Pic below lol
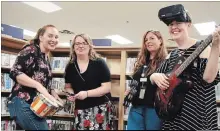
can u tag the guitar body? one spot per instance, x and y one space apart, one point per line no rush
168 103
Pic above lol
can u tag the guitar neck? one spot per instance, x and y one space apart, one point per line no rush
192 57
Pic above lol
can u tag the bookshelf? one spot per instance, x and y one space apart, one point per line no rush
116 61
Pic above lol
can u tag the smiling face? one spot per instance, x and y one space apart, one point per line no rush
178 30
152 42
49 39
81 46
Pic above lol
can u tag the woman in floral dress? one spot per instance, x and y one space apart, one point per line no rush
88 76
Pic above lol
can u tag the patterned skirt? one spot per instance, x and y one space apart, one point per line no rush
95 118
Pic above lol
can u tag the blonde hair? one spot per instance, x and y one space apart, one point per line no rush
144 54
93 55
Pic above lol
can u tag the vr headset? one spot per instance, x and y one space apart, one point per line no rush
173 13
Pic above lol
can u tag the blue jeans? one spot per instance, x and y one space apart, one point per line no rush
143 118
20 111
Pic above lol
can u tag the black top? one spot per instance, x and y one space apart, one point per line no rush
30 61
149 91
97 72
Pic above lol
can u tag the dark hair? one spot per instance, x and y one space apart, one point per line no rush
40 32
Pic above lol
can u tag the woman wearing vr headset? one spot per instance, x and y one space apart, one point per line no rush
199 108
142 115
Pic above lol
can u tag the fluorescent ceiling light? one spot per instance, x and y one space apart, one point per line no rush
47 7
26 32
119 39
29 33
205 28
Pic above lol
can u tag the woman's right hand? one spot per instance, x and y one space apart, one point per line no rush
161 80
40 88
127 92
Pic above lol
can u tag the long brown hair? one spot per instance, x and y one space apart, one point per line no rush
93 55
40 32
144 54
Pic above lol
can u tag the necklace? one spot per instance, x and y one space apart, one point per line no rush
83 67
78 71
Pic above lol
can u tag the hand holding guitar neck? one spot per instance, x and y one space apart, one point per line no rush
216 36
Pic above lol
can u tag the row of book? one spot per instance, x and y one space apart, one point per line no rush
4 108
58 64
58 83
130 65
6 82
8 125
7 60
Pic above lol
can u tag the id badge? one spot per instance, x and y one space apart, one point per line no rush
143 79
142 92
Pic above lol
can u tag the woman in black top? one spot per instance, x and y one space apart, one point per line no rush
31 73
88 76
142 115
199 108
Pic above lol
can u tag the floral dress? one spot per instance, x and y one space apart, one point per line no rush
32 62
95 118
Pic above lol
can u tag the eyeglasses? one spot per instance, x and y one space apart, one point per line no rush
83 43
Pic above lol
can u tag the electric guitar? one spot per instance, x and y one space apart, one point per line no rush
168 103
